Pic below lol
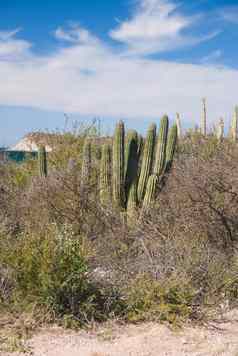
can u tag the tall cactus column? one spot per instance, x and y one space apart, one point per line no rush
147 161
161 146
150 194
118 162
42 161
131 170
171 145
105 174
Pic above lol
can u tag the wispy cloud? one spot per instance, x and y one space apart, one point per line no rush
156 26
212 57
88 77
12 48
229 14
6 35
75 34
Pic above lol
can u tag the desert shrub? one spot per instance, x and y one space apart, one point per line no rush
62 199
63 250
150 299
188 239
51 270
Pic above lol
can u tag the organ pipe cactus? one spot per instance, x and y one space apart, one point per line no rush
171 145
127 179
42 161
150 194
147 161
127 147
105 174
118 162
140 145
131 170
161 146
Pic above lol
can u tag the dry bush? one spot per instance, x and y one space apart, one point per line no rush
188 241
179 257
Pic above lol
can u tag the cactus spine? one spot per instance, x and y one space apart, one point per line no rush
42 161
161 146
147 161
150 194
105 174
86 163
118 162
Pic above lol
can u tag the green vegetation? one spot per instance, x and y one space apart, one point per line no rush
124 227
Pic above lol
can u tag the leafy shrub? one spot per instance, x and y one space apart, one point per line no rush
148 299
51 270
60 249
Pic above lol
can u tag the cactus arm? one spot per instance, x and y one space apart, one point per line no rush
118 163
147 161
131 171
161 146
150 194
171 145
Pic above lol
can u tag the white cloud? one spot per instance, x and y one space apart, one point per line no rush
89 78
157 26
75 34
12 48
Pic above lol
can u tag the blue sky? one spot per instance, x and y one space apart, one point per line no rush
131 59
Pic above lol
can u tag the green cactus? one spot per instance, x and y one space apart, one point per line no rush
120 181
127 147
86 162
42 161
160 156
151 190
140 146
118 163
131 159
131 170
98 152
147 161
105 174
171 145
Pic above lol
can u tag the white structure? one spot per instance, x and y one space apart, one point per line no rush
27 144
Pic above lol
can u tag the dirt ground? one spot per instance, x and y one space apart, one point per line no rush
216 339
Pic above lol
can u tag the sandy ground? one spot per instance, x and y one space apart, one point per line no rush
216 339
